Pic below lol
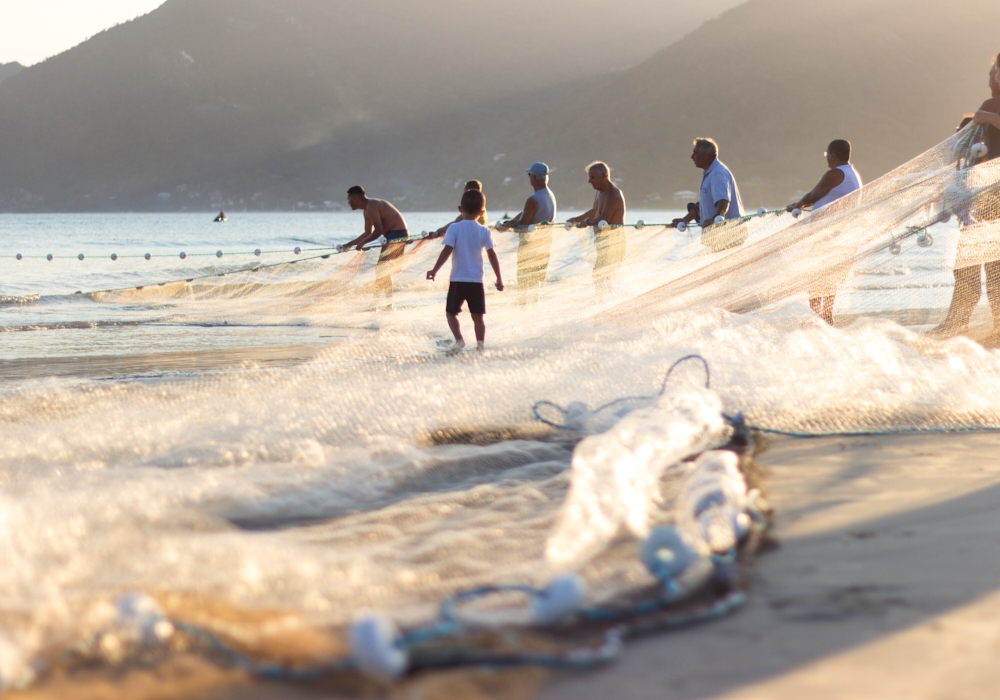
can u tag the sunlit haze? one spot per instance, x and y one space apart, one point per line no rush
33 30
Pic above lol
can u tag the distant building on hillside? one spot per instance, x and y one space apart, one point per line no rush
685 196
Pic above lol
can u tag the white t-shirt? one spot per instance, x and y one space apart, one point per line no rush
468 238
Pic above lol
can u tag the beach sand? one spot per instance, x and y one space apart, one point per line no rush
884 582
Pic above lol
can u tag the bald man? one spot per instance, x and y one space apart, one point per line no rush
609 206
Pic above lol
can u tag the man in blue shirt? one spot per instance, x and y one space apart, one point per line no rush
719 195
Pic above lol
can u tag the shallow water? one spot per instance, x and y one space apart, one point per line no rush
266 440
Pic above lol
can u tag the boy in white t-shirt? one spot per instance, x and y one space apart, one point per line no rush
467 239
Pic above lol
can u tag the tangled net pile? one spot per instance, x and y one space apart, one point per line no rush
457 498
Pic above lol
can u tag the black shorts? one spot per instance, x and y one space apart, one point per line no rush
472 292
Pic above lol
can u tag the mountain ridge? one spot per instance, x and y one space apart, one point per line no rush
199 92
773 80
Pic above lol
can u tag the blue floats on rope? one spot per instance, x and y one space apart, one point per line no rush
114 256
18 256
667 553
147 256
49 257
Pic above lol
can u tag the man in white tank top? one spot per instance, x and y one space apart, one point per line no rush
840 180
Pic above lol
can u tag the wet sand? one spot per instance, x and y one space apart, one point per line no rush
884 582
156 364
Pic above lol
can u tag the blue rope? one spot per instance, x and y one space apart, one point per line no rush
648 399
739 421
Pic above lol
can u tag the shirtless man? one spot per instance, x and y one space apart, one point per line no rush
609 206
534 247
381 219
838 181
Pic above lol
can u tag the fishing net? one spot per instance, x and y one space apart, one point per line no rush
565 483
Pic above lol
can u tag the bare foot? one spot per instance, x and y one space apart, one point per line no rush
458 347
481 346
946 329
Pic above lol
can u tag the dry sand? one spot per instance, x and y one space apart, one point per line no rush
885 584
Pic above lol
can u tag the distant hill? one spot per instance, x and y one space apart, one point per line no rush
198 99
9 70
774 81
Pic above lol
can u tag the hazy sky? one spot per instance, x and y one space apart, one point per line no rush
33 30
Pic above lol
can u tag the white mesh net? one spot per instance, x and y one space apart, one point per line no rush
377 473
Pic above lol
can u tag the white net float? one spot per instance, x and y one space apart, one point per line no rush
640 224
955 199
681 226
761 211
602 225
373 647
796 212
720 219
561 598
978 150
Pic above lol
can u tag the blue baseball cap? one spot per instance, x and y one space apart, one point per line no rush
539 169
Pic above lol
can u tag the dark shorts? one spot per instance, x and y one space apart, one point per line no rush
390 259
472 292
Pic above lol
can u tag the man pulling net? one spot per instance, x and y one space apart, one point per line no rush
382 220
609 209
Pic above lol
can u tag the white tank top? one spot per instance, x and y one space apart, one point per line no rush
852 182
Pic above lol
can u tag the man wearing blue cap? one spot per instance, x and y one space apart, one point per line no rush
534 247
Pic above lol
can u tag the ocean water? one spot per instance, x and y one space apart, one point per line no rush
250 433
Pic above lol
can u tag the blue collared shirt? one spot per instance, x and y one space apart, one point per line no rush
717 184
